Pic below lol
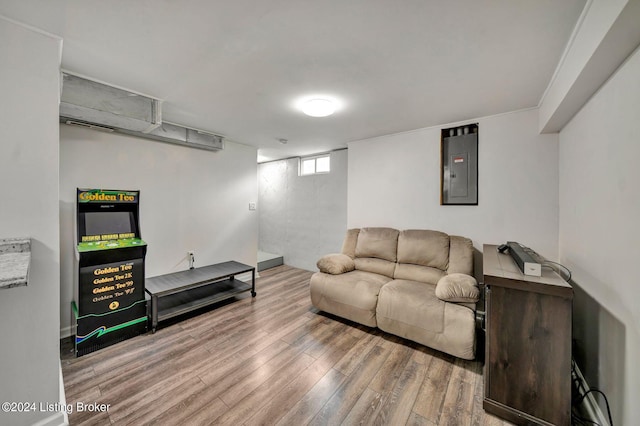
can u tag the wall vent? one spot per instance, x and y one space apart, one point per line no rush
181 135
205 140
88 125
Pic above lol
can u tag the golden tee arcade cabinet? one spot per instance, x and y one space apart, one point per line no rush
110 303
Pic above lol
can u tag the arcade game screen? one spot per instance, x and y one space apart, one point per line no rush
108 222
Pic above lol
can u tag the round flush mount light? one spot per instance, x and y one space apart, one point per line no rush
318 107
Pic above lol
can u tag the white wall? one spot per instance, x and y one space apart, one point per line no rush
395 181
600 231
584 67
29 316
190 199
302 217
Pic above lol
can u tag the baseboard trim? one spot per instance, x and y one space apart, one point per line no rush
246 277
59 418
56 419
63 396
67 331
71 329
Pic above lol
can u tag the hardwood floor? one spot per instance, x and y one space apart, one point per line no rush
273 359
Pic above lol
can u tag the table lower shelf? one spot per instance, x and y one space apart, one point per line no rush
188 300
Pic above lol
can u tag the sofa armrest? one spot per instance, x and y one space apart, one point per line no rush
335 264
459 288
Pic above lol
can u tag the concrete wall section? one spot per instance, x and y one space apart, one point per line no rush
395 181
302 217
599 234
190 199
29 316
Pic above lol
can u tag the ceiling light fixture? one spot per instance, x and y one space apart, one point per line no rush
318 107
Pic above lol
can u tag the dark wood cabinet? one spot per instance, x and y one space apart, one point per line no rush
527 368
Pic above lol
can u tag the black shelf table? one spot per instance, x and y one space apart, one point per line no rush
184 291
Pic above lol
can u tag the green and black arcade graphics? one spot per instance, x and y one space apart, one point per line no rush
110 303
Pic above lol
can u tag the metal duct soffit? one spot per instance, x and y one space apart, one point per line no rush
102 107
176 134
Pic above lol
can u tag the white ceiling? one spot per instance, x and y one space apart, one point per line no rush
237 67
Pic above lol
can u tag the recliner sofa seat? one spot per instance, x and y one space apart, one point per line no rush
416 284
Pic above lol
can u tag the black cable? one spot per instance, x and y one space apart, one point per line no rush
606 401
561 265
581 390
544 262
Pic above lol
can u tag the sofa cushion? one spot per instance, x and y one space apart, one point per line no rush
460 255
424 247
411 310
458 288
349 243
425 274
335 264
377 266
380 243
352 295
411 302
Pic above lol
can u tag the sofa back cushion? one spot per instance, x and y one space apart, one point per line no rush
380 243
424 248
416 255
460 255
350 241
425 274
375 250
377 266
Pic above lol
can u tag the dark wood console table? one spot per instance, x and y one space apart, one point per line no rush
181 292
527 369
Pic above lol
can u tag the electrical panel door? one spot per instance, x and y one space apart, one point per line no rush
460 166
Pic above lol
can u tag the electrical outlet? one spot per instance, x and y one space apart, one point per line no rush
252 206
191 258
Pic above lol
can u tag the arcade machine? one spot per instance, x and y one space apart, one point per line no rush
110 303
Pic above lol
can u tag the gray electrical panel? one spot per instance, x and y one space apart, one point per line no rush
459 171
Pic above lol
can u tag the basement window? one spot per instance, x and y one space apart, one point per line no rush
315 165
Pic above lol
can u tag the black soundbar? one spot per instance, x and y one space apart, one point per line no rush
527 264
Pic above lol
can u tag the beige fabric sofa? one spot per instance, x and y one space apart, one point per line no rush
416 284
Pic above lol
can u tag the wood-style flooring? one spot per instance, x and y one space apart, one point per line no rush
273 359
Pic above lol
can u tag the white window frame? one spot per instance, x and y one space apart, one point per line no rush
315 158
